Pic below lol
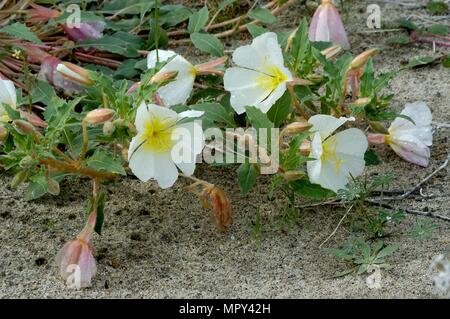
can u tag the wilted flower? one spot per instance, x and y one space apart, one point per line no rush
7 96
85 30
75 259
49 73
409 140
339 156
179 90
260 77
74 73
327 26
162 144
215 198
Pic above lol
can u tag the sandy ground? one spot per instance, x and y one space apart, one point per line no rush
160 243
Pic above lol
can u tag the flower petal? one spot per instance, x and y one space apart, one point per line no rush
140 161
411 149
190 114
7 94
327 124
265 105
166 173
244 88
143 116
163 56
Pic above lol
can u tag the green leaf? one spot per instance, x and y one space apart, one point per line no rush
43 92
371 158
446 62
262 14
127 69
399 40
305 188
215 112
437 7
404 23
37 188
279 112
207 43
224 4
171 15
420 61
13 114
21 31
101 160
247 174
198 20
114 44
257 118
255 30
386 251
439 29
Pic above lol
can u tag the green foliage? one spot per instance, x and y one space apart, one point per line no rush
263 15
207 43
198 20
362 256
437 7
247 175
423 229
21 31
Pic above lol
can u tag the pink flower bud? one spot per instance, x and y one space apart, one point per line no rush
85 31
99 116
74 73
49 72
326 25
40 14
376 139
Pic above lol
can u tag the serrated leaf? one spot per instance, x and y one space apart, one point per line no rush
21 31
386 251
262 14
198 20
207 43
43 92
247 174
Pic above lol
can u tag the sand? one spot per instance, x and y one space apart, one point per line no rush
161 244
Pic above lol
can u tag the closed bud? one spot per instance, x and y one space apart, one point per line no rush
293 175
3 134
377 139
108 128
23 127
53 186
378 127
305 148
19 178
99 116
296 127
362 59
74 73
162 77
362 101
331 51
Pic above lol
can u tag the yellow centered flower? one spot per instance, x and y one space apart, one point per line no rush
7 96
260 77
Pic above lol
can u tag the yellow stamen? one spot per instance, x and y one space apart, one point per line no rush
157 136
329 152
272 79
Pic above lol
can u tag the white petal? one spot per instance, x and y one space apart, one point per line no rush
166 173
163 55
265 105
192 136
316 146
244 88
333 178
420 113
190 114
263 52
327 124
351 142
141 162
162 113
7 94
143 116
411 149
314 169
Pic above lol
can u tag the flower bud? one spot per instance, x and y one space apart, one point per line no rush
40 14
376 139
362 101
75 73
296 127
99 116
293 175
377 127
23 127
108 128
162 77
362 59
331 51
3 134
26 162
305 148
49 73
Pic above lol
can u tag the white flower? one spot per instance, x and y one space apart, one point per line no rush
163 143
409 140
338 157
179 90
260 78
7 96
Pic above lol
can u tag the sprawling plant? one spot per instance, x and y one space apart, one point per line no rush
282 105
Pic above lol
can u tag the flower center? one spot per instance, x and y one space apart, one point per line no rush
158 135
272 79
329 152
